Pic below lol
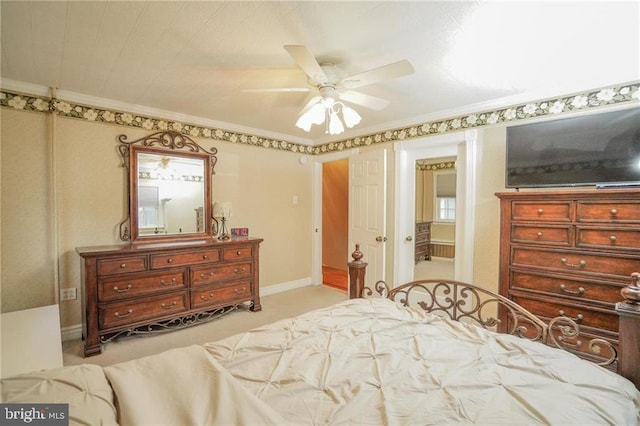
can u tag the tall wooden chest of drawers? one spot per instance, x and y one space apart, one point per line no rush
423 241
133 289
569 253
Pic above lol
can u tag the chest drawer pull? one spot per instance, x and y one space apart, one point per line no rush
238 253
614 212
122 290
119 315
165 306
239 290
577 319
205 257
163 282
123 265
539 234
612 239
170 260
580 292
580 264
203 275
540 211
239 270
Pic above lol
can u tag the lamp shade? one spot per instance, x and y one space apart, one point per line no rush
350 116
222 209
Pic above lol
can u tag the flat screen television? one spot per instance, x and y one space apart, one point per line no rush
592 150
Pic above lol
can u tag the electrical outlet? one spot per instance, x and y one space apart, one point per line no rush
68 294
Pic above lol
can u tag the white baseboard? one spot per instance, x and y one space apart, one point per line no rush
73 332
290 285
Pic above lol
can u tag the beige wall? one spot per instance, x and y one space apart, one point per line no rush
91 200
335 213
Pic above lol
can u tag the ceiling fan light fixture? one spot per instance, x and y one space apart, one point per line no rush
335 124
350 116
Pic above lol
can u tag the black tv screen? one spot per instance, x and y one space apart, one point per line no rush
598 149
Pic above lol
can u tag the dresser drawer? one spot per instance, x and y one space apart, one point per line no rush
541 211
237 253
617 211
213 274
159 261
423 227
124 313
583 316
608 238
135 285
616 266
589 291
221 296
121 265
535 234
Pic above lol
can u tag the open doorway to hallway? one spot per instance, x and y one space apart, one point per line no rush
335 223
435 213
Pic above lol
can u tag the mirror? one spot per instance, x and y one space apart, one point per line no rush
169 189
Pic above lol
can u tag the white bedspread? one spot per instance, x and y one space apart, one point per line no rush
374 362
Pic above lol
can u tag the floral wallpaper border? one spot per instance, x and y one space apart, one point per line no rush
620 94
443 165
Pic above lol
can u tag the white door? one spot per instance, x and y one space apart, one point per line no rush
367 210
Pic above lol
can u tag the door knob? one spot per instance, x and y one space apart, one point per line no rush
381 239
409 238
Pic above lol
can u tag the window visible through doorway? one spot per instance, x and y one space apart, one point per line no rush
446 211
445 196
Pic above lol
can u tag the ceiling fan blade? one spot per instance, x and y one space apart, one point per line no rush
368 101
385 72
308 63
278 89
314 100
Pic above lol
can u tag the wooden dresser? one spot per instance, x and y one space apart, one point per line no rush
423 239
570 253
154 287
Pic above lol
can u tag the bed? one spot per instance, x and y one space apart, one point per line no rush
370 360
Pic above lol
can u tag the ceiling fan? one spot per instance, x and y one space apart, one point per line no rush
334 86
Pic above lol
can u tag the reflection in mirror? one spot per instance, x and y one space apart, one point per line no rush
170 194
169 179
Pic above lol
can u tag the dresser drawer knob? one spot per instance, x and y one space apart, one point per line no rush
240 290
119 315
577 319
205 257
165 306
123 265
580 264
209 275
612 238
122 290
540 211
614 212
580 292
238 253
170 260
539 234
240 270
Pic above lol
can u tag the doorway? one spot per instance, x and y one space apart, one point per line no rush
435 205
335 223
463 146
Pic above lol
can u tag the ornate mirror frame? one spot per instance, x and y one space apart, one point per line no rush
170 143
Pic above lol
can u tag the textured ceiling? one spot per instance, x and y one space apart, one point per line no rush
195 58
